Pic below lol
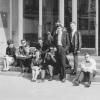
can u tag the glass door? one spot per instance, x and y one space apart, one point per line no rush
87 22
49 15
31 20
68 14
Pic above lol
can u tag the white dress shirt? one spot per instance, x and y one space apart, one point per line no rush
59 32
89 66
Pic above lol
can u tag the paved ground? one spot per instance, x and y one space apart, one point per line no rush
21 88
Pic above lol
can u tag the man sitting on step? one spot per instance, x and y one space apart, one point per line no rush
88 71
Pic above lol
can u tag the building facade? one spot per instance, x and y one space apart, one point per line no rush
31 19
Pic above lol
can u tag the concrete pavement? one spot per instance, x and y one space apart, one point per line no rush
21 88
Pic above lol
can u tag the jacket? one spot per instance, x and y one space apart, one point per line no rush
75 42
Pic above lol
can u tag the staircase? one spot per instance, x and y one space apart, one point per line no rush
16 71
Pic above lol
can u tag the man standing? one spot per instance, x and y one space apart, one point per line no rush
61 41
75 44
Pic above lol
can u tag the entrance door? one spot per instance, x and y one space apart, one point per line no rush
86 21
31 20
87 24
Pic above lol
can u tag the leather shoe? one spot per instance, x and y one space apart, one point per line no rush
87 84
50 79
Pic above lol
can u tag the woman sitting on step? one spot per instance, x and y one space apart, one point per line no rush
10 56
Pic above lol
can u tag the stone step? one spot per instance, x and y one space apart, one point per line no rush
98 72
97 58
28 76
10 73
97 65
96 79
13 68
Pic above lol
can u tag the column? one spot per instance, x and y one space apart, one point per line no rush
74 11
3 39
40 19
61 11
20 20
97 32
10 19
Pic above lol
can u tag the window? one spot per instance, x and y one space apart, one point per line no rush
86 22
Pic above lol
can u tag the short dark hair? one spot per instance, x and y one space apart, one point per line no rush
10 42
40 38
73 22
58 23
86 54
23 40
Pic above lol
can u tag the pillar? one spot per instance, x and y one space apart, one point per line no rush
10 19
40 20
3 39
61 11
74 11
97 32
20 20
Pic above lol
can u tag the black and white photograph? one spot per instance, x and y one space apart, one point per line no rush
49 50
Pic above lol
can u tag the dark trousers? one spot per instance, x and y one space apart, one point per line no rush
61 57
75 61
75 55
85 76
88 76
25 64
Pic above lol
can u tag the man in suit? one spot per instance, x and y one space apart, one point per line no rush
75 44
61 41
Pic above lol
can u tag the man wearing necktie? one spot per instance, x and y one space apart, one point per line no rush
61 41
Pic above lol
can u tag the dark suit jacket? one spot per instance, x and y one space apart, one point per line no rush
65 40
76 42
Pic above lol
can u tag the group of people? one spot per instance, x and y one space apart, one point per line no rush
49 56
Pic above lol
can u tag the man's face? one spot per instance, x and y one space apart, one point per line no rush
40 42
23 43
59 29
87 57
58 24
73 26
48 33
52 51
11 45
